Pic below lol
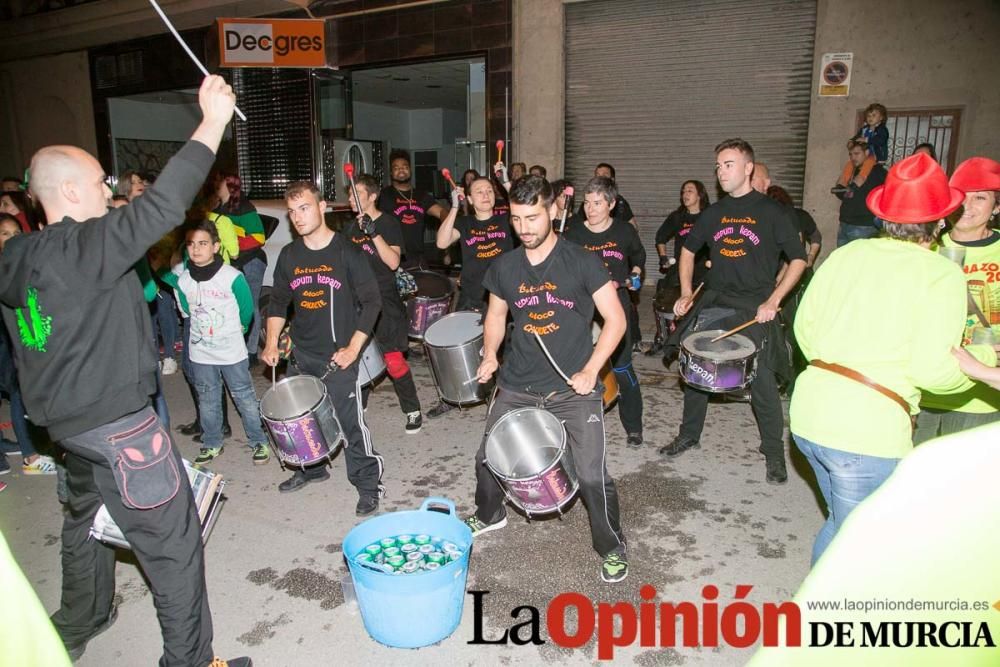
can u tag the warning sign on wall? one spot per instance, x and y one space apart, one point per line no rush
835 74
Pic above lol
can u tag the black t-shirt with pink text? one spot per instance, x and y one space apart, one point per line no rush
554 299
746 237
410 208
618 246
388 227
482 243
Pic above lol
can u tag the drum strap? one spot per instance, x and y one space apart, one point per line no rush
868 382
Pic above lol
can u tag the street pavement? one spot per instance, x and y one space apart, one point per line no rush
275 567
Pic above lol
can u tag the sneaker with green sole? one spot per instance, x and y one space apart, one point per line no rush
478 527
614 568
261 454
206 455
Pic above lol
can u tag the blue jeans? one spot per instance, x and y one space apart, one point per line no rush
848 233
253 271
20 422
208 382
845 479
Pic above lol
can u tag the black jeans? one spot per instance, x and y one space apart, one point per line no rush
363 463
630 400
390 334
166 541
764 396
584 419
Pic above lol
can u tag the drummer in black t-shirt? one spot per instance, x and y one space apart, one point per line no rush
379 236
410 206
746 232
483 237
618 246
550 287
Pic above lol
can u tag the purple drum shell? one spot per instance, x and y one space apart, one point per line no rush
543 493
431 303
716 376
299 441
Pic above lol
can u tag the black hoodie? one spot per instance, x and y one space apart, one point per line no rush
75 309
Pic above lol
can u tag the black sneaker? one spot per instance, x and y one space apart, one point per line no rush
413 422
634 440
194 428
227 431
441 408
76 651
614 568
776 472
300 479
679 445
366 505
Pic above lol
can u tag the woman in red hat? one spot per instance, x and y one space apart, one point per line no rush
878 323
979 179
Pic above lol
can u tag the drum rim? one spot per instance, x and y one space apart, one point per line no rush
443 277
260 407
716 332
564 445
460 345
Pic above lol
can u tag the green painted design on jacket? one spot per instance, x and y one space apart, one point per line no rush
35 336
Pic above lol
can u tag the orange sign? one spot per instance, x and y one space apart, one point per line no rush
272 43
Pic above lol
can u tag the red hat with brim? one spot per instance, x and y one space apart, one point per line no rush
977 174
915 191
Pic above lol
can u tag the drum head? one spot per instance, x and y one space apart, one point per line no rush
455 329
431 285
731 348
524 443
292 397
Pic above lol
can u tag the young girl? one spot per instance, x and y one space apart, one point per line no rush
217 299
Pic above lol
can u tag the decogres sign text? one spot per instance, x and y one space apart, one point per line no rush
272 43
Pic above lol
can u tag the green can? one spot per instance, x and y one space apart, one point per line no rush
396 561
373 549
414 557
403 539
363 557
422 539
408 548
387 542
437 557
454 555
389 552
430 567
411 568
425 548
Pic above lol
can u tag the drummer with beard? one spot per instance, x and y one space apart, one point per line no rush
335 300
483 238
551 287
746 233
410 206
616 243
378 236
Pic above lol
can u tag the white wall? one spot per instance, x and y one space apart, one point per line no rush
414 129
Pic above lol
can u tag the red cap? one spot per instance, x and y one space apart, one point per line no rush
915 191
977 174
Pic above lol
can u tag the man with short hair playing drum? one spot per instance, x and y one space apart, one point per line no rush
336 301
378 234
747 232
483 237
551 288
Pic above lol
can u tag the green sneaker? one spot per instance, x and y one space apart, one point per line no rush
207 455
261 454
614 568
479 527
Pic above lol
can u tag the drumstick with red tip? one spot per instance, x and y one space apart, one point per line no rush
568 192
447 176
500 150
349 172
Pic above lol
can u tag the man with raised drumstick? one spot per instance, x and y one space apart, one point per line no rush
747 232
336 300
551 287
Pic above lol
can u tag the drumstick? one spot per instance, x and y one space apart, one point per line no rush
274 376
737 329
184 45
549 357
568 191
447 174
499 150
694 295
349 171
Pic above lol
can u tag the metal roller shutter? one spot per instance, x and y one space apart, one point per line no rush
653 85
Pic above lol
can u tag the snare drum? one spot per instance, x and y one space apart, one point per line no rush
301 419
526 451
726 365
454 347
431 302
206 487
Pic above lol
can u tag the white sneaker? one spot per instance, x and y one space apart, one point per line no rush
43 465
168 366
